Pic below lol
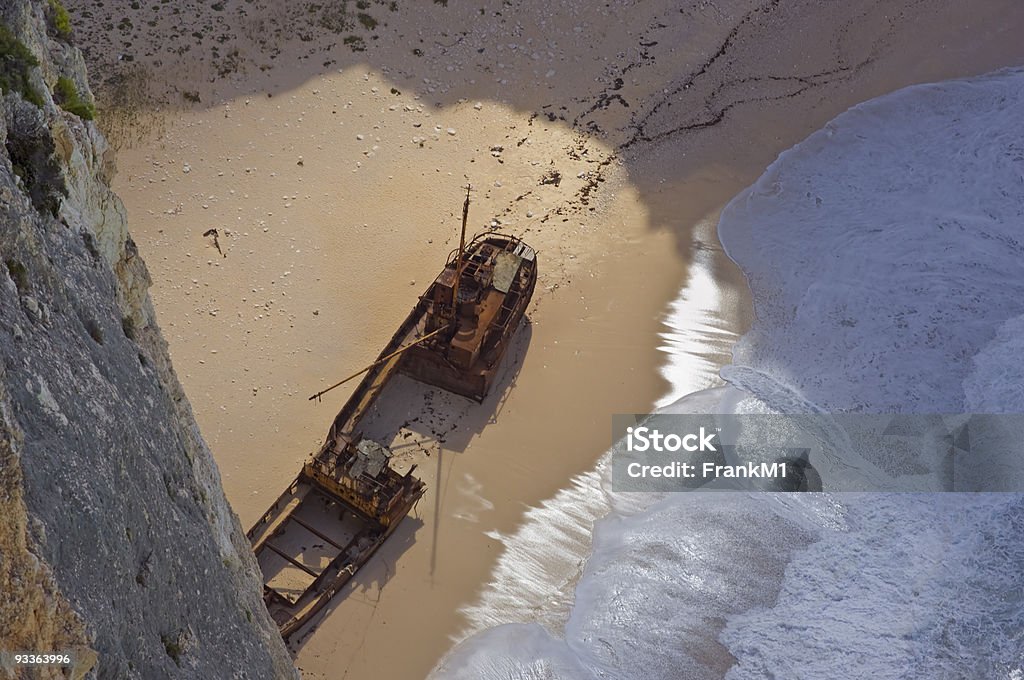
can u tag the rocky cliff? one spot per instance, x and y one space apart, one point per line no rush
116 540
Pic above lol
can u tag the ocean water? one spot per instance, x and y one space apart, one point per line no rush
885 255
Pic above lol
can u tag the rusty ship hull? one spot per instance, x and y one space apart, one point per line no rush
347 499
498 302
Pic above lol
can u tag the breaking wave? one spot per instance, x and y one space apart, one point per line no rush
885 256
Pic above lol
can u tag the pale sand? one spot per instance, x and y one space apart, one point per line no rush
324 259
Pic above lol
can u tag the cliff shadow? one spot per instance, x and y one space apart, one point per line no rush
661 91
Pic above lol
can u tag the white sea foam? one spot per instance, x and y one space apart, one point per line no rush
695 330
886 250
915 587
886 260
996 377
535 577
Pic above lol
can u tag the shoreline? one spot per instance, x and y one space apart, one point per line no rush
298 300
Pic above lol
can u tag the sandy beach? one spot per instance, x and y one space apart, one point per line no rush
328 146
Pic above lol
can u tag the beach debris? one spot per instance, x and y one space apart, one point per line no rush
553 177
216 240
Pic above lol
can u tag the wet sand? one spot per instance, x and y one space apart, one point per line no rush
334 179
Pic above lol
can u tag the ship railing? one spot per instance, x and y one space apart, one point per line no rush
512 242
508 306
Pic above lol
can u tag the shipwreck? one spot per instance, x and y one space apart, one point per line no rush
347 499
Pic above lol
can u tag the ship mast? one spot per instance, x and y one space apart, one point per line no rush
462 248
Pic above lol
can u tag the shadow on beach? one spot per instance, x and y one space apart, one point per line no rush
415 419
369 582
642 86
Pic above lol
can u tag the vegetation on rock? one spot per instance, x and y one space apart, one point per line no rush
59 19
69 99
16 64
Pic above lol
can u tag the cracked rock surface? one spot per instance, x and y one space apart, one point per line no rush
116 540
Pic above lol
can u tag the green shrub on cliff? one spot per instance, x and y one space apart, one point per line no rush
69 99
60 19
16 63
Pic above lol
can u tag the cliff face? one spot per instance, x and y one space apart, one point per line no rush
116 540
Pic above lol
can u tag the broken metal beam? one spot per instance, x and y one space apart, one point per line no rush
291 559
315 532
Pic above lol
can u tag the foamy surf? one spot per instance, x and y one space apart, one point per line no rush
695 330
886 262
536 575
